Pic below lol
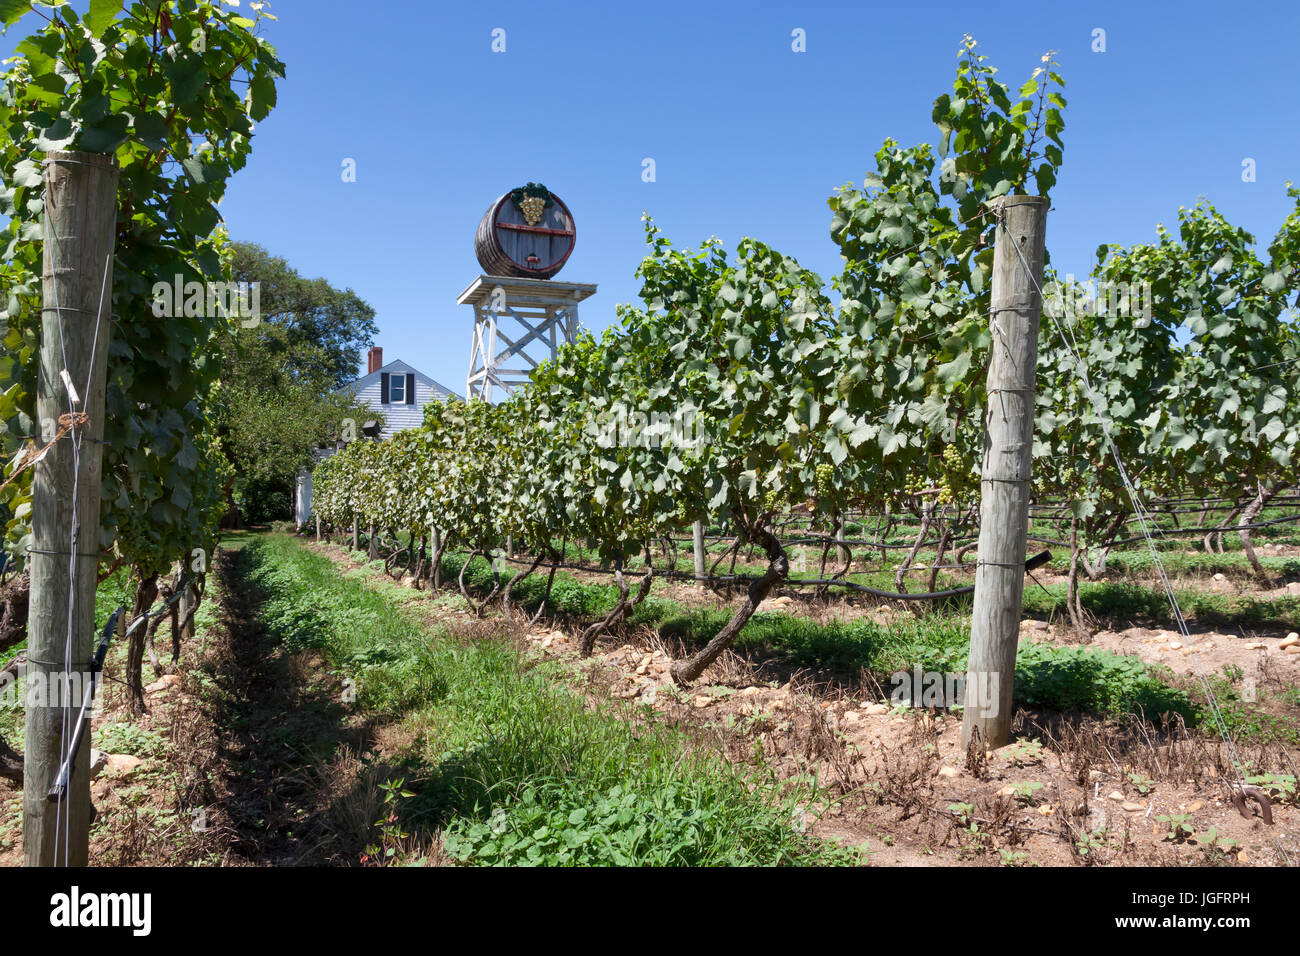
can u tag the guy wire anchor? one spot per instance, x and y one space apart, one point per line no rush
1246 791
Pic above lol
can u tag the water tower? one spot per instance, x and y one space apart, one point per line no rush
522 241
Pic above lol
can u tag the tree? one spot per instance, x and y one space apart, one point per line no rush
278 399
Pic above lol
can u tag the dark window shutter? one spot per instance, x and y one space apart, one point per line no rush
410 389
383 388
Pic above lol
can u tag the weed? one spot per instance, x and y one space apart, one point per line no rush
1180 826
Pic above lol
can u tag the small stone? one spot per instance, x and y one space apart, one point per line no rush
702 701
1007 791
1294 587
877 710
123 765
1291 640
749 692
1256 646
1132 807
1293 649
948 771
1194 806
1220 576
1115 795
1046 810
1175 645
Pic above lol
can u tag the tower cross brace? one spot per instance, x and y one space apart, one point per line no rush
514 317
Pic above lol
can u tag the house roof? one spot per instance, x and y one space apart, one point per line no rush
398 366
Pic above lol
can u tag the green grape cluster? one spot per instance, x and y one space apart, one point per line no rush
950 483
825 474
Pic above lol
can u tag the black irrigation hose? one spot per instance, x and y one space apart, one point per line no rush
1037 539
60 786
865 542
1169 532
1204 531
1037 561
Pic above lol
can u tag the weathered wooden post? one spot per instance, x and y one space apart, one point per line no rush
356 541
435 546
76 289
1015 303
697 532
181 573
372 551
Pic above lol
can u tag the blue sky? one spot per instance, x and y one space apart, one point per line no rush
748 137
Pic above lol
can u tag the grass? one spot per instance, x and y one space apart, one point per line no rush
511 762
1065 679
1135 602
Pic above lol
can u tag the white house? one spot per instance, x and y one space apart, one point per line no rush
396 391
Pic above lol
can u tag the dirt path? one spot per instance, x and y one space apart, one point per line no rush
287 743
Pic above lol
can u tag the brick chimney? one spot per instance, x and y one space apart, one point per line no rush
375 360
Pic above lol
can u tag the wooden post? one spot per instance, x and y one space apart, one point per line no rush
184 604
77 280
1005 473
356 540
318 529
839 537
435 545
371 551
697 531
186 600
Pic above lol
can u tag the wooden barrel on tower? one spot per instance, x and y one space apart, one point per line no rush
528 233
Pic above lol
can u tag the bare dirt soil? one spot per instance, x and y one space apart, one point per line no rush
247 756
1067 791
